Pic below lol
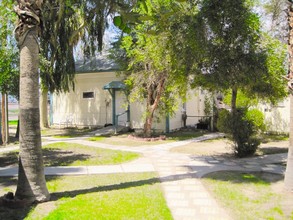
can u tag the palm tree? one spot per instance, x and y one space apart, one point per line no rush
31 184
289 167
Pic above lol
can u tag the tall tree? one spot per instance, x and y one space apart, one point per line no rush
67 23
150 75
232 53
60 33
224 49
31 181
289 166
31 184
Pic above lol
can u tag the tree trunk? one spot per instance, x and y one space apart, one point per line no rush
148 124
5 133
17 130
233 100
31 183
44 109
289 168
3 128
153 99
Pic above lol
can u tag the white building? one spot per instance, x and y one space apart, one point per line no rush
99 97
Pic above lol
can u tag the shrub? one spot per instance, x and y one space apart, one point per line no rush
257 118
241 130
224 121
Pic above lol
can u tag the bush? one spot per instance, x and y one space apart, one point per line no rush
241 130
257 118
224 121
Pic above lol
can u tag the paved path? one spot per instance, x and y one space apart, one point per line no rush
180 174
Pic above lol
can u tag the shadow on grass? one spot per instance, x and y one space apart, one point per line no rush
58 157
184 135
71 194
22 213
8 182
272 150
67 132
240 177
9 159
52 157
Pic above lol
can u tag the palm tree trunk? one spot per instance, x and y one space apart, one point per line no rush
31 179
44 109
3 119
289 168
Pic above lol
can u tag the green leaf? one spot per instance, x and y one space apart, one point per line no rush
117 21
145 6
126 30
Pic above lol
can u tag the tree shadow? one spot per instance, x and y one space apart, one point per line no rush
59 157
8 182
124 185
240 177
272 150
51 156
9 158
22 213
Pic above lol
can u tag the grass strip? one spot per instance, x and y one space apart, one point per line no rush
250 195
113 196
70 154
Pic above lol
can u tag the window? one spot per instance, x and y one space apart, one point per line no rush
88 95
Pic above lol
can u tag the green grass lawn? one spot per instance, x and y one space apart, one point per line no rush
13 122
70 154
251 195
113 196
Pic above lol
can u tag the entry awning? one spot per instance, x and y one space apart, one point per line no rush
116 85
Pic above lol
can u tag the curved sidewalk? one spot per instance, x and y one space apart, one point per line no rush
180 174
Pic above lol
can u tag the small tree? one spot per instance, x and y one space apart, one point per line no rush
151 75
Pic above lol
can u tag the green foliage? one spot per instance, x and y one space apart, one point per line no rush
151 75
226 49
257 118
243 100
57 42
241 129
208 105
223 122
9 67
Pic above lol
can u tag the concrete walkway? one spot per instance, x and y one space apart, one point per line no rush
180 174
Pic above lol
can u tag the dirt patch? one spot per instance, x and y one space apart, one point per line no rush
141 138
206 148
223 147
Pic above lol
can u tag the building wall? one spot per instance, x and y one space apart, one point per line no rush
277 117
195 106
85 111
72 109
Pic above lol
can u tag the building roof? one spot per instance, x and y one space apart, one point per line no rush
100 63
115 85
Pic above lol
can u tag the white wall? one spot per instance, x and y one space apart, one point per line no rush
85 111
277 117
97 111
